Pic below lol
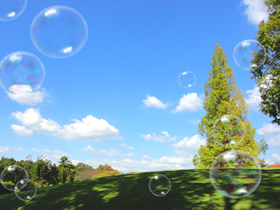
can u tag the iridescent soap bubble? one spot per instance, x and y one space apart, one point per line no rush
25 189
11 175
11 9
187 79
59 31
235 174
245 51
159 185
229 130
21 72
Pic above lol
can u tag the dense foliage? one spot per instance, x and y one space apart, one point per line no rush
267 75
222 97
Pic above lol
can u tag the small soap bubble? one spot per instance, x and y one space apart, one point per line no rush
21 72
59 31
229 130
159 185
11 9
235 174
244 53
25 189
187 79
11 175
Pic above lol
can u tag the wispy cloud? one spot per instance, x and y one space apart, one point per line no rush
90 128
154 137
4 149
50 153
110 153
193 121
126 146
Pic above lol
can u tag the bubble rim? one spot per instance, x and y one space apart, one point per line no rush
60 7
251 157
167 190
180 75
29 180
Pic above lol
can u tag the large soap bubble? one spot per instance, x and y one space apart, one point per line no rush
25 189
235 174
21 72
11 9
159 185
245 51
187 79
11 175
59 31
229 130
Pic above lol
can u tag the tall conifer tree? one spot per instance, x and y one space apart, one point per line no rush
222 97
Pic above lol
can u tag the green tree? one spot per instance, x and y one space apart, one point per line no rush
222 97
267 75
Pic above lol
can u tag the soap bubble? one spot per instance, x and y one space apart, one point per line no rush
25 189
21 72
159 185
235 174
229 130
59 31
187 79
245 51
11 9
11 175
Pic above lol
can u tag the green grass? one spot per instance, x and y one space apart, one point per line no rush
190 189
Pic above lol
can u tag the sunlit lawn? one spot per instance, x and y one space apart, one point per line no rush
190 189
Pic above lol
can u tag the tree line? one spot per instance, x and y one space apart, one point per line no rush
45 174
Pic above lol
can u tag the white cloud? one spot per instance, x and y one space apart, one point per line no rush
146 157
88 148
50 153
256 11
268 129
110 153
29 98
126 146
20 149
190 102
193 121
254 98
4 149
271 161
165 138
188 145
21 130
129 154
152 101
90 128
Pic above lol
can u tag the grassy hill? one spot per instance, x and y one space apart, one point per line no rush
190 189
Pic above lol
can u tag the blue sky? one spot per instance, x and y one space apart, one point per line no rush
118 101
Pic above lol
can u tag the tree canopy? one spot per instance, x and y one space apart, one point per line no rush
267 75
222 97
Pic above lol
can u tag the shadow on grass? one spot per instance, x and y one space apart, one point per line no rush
190 189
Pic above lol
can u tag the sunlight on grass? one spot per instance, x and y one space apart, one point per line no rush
108 191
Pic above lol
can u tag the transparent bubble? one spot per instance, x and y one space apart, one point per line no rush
235 174
21 72
11 9
25 189
187 79
159 185
11 175
59 31
245 51
229 130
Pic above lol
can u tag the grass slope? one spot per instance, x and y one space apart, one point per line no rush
190 189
